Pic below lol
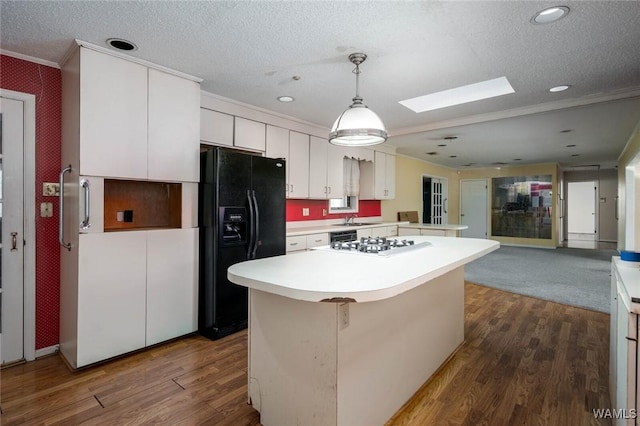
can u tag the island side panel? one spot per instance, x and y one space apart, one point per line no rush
292 360
393 346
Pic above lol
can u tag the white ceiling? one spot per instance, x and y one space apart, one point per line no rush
250 51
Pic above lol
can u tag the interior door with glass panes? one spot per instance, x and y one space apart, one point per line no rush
11 229
435 202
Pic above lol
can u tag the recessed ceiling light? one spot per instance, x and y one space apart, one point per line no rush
460 95
550 14
450 138
517 159
566 131
570 146
286 99
560 88
575 155
121 44
431 153
442 144
452 156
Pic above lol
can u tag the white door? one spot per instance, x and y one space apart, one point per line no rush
473 207
11 227
581 210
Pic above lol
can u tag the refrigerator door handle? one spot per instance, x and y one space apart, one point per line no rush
251 225
256 225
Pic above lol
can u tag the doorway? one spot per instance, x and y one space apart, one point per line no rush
582 221
17 220
473 207
435 201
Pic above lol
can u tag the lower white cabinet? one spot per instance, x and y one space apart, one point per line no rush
172 284
296 243
111 298
317 240
122 291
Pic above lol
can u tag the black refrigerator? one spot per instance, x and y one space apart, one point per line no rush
241 217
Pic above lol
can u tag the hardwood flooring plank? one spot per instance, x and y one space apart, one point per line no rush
525 361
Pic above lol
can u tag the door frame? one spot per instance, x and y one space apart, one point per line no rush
29 171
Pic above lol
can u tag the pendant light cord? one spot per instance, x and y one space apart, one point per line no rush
356 71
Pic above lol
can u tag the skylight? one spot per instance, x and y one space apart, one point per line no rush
460 95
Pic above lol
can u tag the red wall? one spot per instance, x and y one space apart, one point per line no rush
366 208
46 84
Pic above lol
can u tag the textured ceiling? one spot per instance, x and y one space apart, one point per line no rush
250 51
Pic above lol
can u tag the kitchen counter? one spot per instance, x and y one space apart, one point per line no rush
320 229
316 357
629 273
320 275
447 230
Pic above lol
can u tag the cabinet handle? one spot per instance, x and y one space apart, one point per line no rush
329 189
14 241
61 215
85 224
293 244
291 188
317 241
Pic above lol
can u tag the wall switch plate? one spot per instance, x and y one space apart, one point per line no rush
324 212
120 216
305 211
50 189
46 209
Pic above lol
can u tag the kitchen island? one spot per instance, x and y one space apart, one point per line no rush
344 338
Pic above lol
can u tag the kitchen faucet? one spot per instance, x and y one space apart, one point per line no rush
350 217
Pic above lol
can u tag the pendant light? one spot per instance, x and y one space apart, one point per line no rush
358 125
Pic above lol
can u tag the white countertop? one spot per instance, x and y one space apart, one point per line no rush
630 275
320 229
448 227
322 275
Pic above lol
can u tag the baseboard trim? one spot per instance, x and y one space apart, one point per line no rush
47 351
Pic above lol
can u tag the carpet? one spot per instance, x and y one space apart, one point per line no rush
576 277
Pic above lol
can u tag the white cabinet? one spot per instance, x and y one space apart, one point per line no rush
298 165
174 128
216 128
172 284
326 169
132 289
296 243
385 176
250 134
317 167
392 231
294 148
105 103
125 120
317 240
107 305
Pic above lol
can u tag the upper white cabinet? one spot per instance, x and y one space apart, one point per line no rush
326 169
125 120
106 99
174 128
378 179
298 165
216 128
294 148
250 134
318 167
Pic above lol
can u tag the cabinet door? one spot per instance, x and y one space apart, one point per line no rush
278 147
390 176
380 175
174 128
317 240
335 171
296 243
317 167
216 128
172 284
250 134
111 294
113 116
298 165
367 233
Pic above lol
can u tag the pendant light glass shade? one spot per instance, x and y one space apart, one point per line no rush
358 125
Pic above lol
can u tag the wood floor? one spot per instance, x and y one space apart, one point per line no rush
524 362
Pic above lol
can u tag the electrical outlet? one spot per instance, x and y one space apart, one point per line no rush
46 209
50 189
343 315
324 212
305 211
